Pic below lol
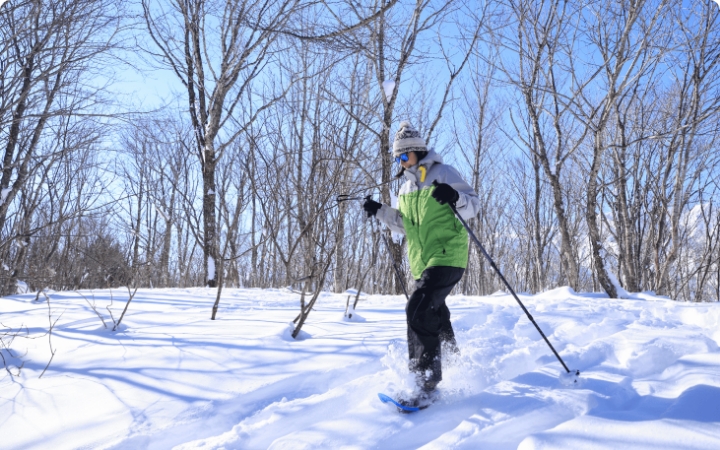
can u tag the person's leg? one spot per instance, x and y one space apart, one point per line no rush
428 321
447 335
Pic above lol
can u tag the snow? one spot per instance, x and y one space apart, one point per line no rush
350 313
388 88
161 212
211 268
22 287
173 378
619 290
5 192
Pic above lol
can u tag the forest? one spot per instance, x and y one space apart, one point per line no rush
181 143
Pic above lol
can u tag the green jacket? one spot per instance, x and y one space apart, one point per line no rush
435 237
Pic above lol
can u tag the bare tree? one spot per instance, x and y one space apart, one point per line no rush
476 127
536 38
47 46
620 32
216 49
48 50
696 84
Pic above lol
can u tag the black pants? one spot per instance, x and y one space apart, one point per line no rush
429 327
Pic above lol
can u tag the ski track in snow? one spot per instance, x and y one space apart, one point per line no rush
172 378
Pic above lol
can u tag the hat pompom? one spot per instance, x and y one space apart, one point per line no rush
405 124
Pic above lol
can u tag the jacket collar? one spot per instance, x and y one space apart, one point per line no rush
428 161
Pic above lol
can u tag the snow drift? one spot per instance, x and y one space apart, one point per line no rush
172 378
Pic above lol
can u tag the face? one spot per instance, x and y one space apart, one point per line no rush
412 160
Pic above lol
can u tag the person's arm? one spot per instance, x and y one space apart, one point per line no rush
392 218
387 215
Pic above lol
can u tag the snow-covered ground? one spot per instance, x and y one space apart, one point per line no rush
172 378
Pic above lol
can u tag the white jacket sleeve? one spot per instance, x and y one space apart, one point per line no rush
392 218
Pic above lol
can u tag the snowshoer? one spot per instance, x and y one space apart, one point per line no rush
437 246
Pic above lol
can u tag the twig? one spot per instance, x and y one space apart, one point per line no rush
92 305
131 293
52 325
108 307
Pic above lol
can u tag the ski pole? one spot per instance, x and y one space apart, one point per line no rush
492 264
347 197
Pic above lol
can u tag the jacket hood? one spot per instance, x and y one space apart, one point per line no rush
428 161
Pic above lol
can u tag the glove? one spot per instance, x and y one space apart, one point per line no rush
444 193
371 206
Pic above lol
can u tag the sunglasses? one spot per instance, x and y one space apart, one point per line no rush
403 157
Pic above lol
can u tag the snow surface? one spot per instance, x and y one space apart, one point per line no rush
172 378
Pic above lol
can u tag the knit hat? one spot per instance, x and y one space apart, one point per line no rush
407 139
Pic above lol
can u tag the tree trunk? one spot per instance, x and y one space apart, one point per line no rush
210 244
593 229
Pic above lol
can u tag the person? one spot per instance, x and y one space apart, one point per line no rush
437 244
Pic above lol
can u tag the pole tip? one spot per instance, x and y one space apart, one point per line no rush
570 378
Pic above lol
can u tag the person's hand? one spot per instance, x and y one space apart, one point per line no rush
371 206
444 193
